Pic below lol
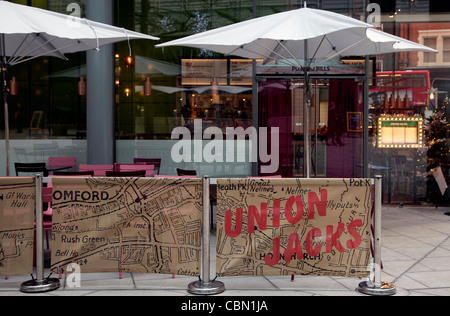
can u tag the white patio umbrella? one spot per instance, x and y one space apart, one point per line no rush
302 38
28 32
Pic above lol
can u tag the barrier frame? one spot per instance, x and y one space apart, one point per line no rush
40 284
205 286
374 286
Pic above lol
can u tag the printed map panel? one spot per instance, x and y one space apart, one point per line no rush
17 196
142 225
294 226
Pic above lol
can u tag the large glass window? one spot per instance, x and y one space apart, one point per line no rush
47 103
172 87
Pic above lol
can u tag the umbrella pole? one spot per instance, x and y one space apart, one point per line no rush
6 113
307 107
307 132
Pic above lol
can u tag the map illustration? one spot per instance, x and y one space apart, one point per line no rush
293 227
17 196
142 225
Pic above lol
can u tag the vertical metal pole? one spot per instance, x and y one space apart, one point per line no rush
39 230
316 128
4 78
377 287
40 284
377 234
204 286
206 238
366 121
306 118
255 97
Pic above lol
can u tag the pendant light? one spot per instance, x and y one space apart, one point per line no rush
148 87
13 86
82 86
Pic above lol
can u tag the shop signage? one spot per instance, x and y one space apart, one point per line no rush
233 72
293 226
17 196
336 66
400 132
146 225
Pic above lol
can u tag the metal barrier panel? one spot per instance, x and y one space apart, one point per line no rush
142 225
293 227
17 196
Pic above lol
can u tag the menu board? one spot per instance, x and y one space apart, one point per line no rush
400 132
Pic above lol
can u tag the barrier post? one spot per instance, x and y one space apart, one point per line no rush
375 286
40 284
205 286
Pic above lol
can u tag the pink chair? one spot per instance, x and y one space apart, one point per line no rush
61 162
99 170
124 167
47 197
149 161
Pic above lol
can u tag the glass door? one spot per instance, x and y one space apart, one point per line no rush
335 122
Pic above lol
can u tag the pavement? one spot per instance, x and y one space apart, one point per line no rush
415 257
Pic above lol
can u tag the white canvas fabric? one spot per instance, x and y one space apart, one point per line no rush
31 32
28 32
284 36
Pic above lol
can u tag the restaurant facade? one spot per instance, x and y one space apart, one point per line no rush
384 114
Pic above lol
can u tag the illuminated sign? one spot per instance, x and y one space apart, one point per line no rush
232 72
400 132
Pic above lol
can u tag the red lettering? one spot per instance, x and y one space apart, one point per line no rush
261 218
309 242
313 201
333 238
294 247
276 214
238 223
271 261
352 244
288 209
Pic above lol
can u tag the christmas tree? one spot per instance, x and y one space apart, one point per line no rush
437 132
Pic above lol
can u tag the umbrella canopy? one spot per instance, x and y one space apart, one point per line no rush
281 36
302 34
303 38
32 32
388 43
28 32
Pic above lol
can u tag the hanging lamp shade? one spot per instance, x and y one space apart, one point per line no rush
13 86
81 86
215 91
148 87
